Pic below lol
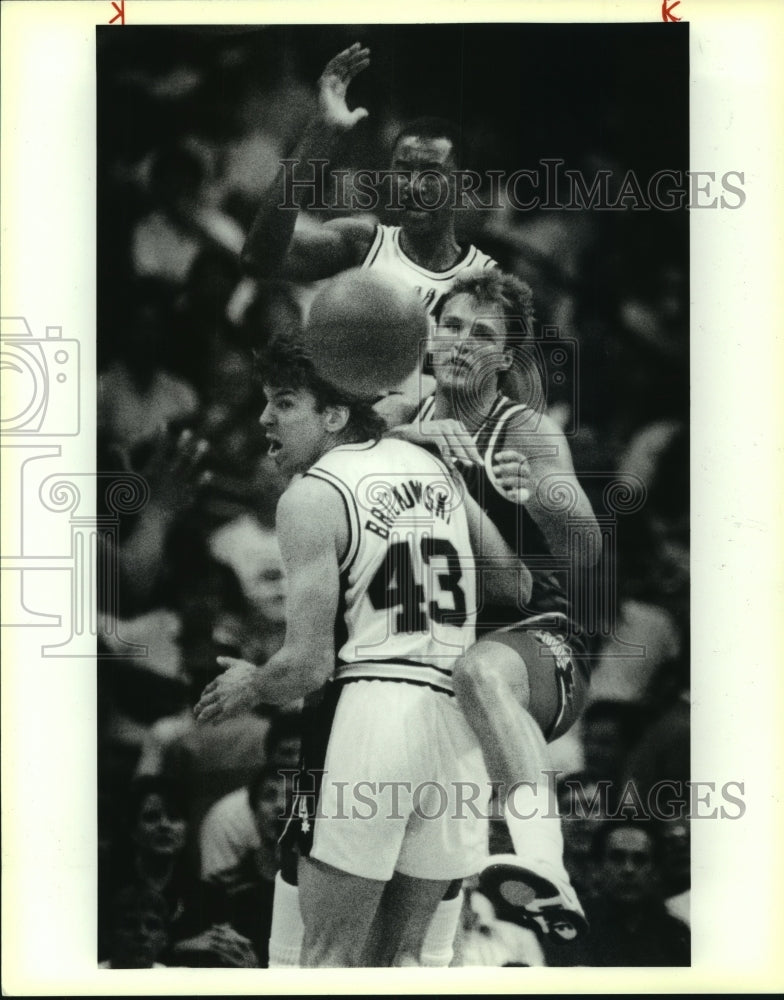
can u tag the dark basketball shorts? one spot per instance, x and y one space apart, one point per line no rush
558 672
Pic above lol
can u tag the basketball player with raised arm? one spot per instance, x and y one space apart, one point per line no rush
421 252
524 682
377 537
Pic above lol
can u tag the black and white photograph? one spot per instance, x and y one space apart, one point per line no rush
396 433
379 307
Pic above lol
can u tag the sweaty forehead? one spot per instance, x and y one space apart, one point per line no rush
412 148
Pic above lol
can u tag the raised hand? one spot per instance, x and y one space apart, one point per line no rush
175 470
511 475
333 84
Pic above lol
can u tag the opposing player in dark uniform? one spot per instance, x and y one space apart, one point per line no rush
524 682
377 537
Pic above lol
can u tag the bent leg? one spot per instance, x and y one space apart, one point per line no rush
512 688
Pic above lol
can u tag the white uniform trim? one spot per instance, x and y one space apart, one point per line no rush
351 510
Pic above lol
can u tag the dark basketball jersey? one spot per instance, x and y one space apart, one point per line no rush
548 604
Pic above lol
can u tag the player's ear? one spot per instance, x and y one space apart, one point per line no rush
336 418
506 361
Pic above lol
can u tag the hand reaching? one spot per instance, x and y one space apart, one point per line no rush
232 693
333 84
174 471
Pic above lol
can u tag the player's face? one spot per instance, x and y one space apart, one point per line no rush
467 346
296 431
428 193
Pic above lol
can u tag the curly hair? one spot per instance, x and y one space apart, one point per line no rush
510 293
285 363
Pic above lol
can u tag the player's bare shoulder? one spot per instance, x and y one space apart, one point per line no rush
309 512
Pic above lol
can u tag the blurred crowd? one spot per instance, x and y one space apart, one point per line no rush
189 816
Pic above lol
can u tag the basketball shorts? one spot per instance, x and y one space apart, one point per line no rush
558 672
392 780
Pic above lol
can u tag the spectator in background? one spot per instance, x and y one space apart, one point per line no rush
139 929
629 923
609 728
675 836
181 223
208 762
149 852
201 328
583 805
239 835
659 763
206 599
149 857
136 394
251 550
239 848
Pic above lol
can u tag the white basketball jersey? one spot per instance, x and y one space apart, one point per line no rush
386 254
408 590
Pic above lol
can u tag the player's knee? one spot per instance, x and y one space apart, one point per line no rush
476 677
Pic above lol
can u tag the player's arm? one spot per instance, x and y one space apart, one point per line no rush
281 240
312 528
505 577
533 466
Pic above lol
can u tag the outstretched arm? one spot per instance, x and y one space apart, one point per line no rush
281 242
312 530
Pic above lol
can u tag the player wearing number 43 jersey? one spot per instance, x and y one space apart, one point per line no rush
377 537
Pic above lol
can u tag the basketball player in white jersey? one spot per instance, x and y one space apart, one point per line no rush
377 537
422 252
524 682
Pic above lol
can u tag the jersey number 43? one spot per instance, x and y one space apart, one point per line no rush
395 586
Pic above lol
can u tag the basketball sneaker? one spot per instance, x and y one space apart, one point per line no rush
542 898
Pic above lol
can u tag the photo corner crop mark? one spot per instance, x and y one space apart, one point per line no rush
118 6
667 8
